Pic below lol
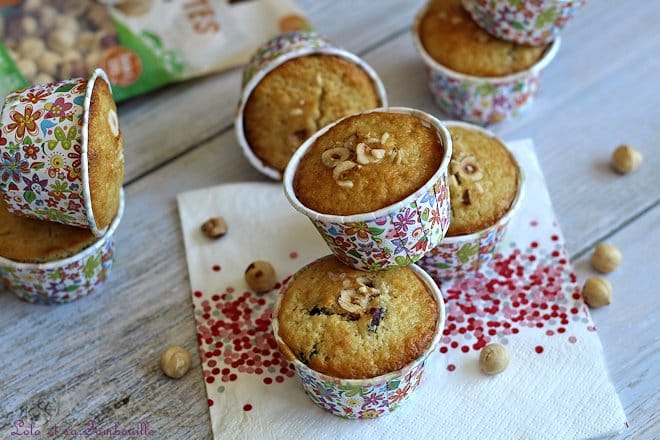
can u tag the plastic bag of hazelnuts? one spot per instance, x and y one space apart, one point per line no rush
141 44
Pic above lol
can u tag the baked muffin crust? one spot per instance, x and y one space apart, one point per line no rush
483 181
105 155
454 40
410 152
349 340
299 97
29 240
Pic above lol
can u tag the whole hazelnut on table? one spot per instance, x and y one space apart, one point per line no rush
260 276
597 292
175 361
215 227
493 358
626 159
606 258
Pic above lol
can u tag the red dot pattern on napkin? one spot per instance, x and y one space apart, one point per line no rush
533 289
235 337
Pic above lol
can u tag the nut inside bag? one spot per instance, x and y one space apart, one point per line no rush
141 44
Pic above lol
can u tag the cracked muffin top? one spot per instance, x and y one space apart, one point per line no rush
454 40
352 324
367 162
28 240
483 180
299 97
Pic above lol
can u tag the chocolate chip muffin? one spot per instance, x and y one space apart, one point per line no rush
483 180
28 240
454 40
367 162
299 97
354 325
105 155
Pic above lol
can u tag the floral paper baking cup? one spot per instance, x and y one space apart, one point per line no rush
372 397
65 280
277 51
481 100
391 237
463 255
44 151
526 22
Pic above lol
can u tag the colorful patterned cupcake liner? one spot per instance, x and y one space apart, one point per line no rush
372 397
464 255
392 237
481 100
277 51
63 281
525 22
43 152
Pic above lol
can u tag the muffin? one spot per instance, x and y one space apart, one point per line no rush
105 155
483 180
354 325
367 162
454 40
486 187
29 240
300 96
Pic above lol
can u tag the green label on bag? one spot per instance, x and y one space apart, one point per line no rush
10 78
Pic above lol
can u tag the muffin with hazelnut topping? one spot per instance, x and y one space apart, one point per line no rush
353 325
375 185
486 185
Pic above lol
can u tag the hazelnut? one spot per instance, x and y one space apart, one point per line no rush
87 41
92 60
333 156
48 62
28 25
606 258
597 292
67 22
175 361
61 40
27 67
260 276
626 159
47 16
493 359
30 47
215 227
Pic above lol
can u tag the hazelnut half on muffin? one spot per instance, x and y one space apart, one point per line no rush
299 97
354 325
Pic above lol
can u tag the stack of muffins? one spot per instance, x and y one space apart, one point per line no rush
358 325
60 179
484 58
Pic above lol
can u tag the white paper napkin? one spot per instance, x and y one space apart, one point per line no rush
555 387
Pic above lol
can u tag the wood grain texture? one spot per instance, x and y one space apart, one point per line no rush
98 358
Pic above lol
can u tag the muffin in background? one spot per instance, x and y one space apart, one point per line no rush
454 40
295 84
486 189
300 96
471 75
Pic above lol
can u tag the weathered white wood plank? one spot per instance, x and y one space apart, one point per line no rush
167 122
629 328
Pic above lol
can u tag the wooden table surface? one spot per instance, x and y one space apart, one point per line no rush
97 358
